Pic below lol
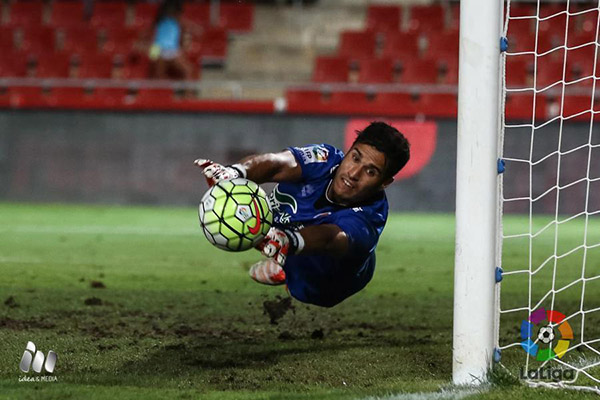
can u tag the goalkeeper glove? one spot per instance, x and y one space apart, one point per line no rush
278 244
215 173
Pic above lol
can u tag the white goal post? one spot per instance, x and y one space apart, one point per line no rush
537 66
476 190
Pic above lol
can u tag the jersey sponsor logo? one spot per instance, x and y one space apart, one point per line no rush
256 228
314 154
277 198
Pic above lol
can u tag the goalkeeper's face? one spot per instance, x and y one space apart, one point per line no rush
360 175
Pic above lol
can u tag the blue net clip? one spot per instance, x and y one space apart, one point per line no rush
501 166
499 273
503 44
497 355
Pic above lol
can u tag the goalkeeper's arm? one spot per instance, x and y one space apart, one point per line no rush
261 168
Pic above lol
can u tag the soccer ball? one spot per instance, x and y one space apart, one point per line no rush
235 214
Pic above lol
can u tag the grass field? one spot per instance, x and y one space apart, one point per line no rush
138 305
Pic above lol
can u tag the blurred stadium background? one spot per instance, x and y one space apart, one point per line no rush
86 118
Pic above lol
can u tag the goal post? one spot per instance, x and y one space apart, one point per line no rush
476 190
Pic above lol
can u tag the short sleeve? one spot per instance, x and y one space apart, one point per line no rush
362 235
317 160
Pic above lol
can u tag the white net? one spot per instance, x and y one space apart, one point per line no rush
549 244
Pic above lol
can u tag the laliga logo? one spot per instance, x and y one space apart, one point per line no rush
546 334
38 360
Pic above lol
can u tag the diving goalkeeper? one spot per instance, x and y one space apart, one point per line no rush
329 210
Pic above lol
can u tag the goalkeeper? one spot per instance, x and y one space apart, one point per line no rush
329 210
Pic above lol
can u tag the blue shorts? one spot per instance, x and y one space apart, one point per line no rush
324 280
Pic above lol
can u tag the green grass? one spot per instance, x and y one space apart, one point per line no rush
181 319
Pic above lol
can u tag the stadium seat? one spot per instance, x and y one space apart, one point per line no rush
357 45
54 65
109 97
198 13
376 71
145 13
419 71
13 64
303 101
576 104
27 96
80 40
236 17
522 10
26 13
331 69
426 18
398 45
517 71
109 14
6 40
68 97
345 102
67 14
383 18
520 107
395 104
549 71
137 67
442 44
448 71
120 41
154 98
97 66
214 44
38 39
440 105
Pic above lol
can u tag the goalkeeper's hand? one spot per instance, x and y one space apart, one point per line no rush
278 244
215 173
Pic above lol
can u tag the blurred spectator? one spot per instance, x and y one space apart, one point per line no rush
169 60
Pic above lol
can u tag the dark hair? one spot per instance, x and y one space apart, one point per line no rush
388 140
168 8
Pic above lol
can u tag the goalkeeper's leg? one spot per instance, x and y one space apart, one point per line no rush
267 272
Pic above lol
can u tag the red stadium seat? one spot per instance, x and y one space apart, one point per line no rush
426 18
109 97
400 45
516 72
145 13
303 101
67 97
53 66
110 14
577 104
120 41
154 97
357 45
98 66
548 72
331 69
13 64
395 104
27 96
420 71
383 18
26 13
349 103
449 71
376 71
443 44
580 64
441 105
214 44
237 17
38 40
67 14
6 40
80 40
198 13
520 107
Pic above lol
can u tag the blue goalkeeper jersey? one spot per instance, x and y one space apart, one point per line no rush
322 279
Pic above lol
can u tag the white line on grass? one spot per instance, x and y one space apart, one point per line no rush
97 230
452 394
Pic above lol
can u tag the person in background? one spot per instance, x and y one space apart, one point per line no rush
169 62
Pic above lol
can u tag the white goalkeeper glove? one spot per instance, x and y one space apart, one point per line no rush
278 244
215 173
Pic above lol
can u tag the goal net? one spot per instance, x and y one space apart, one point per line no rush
548 315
